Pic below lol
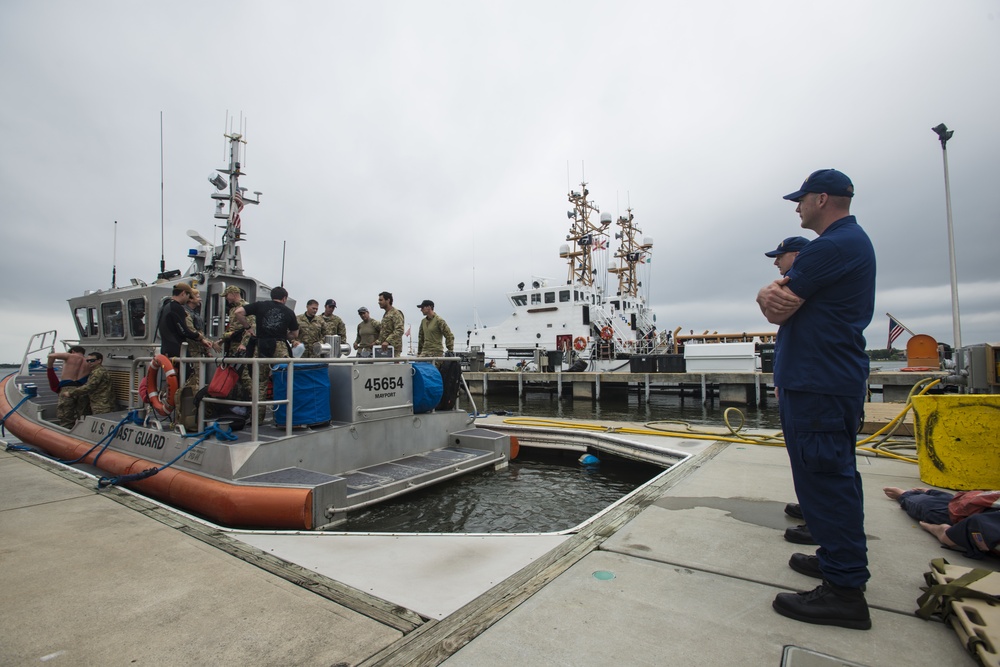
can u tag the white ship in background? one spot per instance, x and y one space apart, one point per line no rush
597 318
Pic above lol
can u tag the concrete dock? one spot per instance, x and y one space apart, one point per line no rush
681 573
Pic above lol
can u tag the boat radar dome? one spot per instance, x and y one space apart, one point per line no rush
605 219
564 250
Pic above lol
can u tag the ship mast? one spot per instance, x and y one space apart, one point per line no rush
585 237
630 253
227 256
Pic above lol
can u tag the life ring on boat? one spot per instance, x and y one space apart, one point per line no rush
607 332
579 343
152 384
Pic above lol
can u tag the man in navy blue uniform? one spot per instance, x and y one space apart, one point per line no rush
822 306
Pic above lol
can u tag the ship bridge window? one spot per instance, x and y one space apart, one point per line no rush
113 319
86 321
520 299
564 296
137 317
550 297
536 298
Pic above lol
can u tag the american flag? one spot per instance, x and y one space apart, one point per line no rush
238 200
895 328
407 332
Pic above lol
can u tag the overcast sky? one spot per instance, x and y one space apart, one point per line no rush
426 148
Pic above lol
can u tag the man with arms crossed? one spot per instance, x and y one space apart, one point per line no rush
823 305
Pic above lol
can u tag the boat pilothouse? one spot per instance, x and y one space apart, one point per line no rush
597 319
340 433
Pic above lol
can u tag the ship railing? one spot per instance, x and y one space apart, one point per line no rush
256 401
44 341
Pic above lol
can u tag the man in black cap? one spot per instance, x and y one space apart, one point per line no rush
332 324
786 252
822 306
432 329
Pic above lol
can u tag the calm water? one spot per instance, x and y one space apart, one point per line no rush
542 490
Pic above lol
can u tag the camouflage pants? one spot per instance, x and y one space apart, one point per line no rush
69 407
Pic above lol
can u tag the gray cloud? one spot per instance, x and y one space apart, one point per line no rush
426 148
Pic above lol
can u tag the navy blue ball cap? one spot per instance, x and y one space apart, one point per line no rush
791 244
832 182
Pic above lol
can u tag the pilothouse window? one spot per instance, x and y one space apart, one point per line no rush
536 298
520 299
550 297
564 296
113 319
137 317
86 321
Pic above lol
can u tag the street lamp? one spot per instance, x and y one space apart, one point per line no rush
944 134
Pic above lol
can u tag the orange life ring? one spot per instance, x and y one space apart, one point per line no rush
607 332
153 384
580 344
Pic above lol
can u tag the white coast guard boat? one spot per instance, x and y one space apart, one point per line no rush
596 319
372 430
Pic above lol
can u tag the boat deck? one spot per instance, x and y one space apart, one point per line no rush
682 572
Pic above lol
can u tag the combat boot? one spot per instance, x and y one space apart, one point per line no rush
826 605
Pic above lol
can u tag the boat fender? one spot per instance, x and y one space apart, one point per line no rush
579 343
428 387
607 332
589 460
515 447
164 407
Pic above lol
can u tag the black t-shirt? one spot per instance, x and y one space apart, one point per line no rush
173 329
274 322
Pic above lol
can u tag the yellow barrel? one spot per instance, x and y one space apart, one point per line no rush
957 440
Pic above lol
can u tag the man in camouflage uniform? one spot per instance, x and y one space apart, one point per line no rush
196 323
311 328
96 397
334 325
236 338
432 329
391 326
368 330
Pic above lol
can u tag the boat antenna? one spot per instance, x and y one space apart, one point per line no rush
114 257
163 261
283 263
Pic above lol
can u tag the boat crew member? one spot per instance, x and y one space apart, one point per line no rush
74 374
173 323
784 256
96 397
432 329
334 325
391 326
236 337
786 252
310 328
822 306
276 324
368 331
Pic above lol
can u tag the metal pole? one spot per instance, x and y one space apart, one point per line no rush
944 134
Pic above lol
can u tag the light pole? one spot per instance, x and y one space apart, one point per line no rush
944 134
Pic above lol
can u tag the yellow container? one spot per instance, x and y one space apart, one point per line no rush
958 440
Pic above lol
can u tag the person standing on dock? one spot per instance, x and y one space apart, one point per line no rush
786 252
391 327
822 306
784 256
368 332
432 329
